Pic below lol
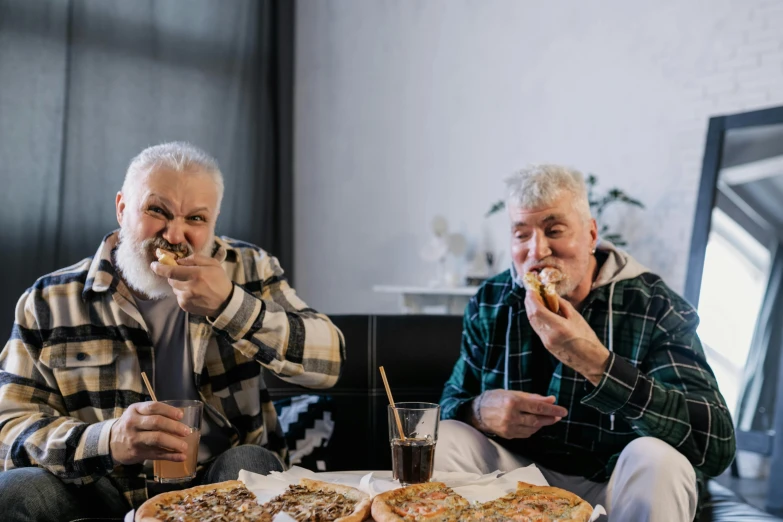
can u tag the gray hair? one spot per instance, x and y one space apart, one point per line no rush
178 156
537 185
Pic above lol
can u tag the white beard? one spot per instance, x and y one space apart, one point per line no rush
133 259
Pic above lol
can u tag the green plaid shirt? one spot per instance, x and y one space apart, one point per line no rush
657 382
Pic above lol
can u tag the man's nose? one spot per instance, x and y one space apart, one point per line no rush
538 247
175 232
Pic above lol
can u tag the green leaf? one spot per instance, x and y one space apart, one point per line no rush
632 201
617 239
496 207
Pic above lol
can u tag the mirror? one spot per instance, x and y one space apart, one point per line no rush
735 274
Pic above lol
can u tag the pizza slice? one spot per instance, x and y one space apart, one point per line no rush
229 500
167 257
431 502
316 501
531 503
544 283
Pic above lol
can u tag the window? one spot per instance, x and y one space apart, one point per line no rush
733 284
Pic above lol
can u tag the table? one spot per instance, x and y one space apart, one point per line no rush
434 300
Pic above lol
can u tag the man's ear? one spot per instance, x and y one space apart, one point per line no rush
119 204
593 232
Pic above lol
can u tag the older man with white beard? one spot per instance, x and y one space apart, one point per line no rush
76 424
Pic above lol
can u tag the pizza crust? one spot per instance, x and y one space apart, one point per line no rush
147 512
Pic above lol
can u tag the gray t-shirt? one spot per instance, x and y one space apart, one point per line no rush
168 329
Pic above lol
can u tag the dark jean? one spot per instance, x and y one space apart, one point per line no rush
35 495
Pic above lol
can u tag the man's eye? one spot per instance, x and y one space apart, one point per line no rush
197 218
556 231
157 210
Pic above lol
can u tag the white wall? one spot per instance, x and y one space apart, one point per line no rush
410 108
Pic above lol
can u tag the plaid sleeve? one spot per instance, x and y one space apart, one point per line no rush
280 331
465 381
674 395
34 427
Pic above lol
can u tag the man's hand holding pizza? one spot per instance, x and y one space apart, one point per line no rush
199 282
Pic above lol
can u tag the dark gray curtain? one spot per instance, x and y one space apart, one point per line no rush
760 378
87 84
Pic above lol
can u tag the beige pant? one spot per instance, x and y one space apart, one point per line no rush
652 481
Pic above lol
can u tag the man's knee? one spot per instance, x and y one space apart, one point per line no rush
453 431
651 482
35 494
653 455
18 483
248 457
459 446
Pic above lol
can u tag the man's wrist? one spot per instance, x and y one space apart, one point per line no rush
224 304
475 409
595 375
111 453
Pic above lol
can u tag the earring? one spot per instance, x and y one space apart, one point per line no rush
593 251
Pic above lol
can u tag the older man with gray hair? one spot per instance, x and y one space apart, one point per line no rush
611 396
77 429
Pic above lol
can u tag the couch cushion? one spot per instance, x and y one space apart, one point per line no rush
308 426
726 506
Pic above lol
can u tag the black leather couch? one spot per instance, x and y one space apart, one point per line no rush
418 353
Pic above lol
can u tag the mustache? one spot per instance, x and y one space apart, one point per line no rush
546 264
158 242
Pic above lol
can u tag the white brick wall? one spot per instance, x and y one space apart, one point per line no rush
732 63
742 71
409 108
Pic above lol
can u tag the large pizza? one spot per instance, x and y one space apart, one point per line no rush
310 500
219 502
435 502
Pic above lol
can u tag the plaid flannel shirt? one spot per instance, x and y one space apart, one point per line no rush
657 382
74 360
